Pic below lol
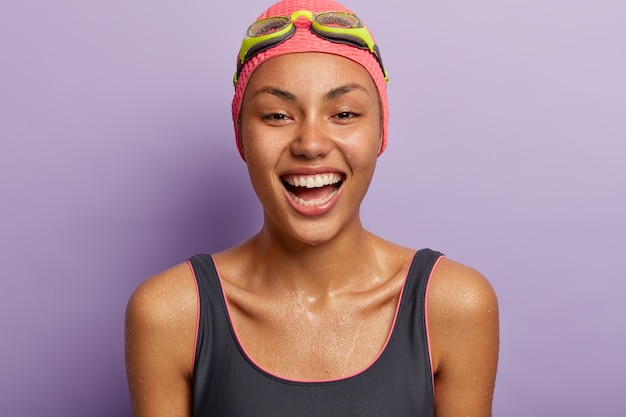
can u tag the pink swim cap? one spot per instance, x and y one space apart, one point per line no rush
306 41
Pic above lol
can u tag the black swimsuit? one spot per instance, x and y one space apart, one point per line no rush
228 383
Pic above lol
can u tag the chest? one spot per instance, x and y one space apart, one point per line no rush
313 341
268 360
246 350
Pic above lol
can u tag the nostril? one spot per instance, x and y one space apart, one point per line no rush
311 147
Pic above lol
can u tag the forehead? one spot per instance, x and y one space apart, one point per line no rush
310 72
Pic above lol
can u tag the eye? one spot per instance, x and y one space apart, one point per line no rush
346 115
274 117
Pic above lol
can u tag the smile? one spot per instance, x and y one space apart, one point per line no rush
312 190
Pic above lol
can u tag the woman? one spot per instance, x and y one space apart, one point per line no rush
313 315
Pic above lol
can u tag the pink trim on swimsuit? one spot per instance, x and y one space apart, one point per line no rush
195 343
430 356
313 381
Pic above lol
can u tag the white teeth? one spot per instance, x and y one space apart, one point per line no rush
312 181
312 203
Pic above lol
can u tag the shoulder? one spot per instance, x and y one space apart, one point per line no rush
459 288
463 332
164 294
161 318
462 309
164 306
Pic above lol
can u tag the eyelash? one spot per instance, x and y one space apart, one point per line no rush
279 117
346 115
274 116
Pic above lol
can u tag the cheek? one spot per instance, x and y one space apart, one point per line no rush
258 174
364 145
246 131
244 134
251 141
259 156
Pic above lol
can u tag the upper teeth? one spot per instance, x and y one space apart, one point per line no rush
312 181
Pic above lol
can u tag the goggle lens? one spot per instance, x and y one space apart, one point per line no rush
268 26
338 20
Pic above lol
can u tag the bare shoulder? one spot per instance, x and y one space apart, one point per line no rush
161 318
464 338
165 298
460 290
461 304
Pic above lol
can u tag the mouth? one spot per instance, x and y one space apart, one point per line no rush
312 190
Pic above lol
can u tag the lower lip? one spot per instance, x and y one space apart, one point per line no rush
314 210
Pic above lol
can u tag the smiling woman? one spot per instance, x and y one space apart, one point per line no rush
313 315
307 116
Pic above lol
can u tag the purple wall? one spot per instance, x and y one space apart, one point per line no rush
117 160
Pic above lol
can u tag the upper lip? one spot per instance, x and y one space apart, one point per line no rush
312 171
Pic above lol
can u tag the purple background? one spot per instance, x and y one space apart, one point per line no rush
506 152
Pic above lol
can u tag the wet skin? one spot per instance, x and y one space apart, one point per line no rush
304 115
312 295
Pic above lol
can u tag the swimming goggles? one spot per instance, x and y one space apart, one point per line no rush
339 27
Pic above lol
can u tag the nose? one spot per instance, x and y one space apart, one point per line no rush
311 141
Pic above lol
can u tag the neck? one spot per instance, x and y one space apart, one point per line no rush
342 262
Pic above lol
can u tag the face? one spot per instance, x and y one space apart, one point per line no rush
310 131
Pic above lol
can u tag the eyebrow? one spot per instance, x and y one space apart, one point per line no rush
285 95
344 89
332 94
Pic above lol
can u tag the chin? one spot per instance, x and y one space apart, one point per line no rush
310 232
